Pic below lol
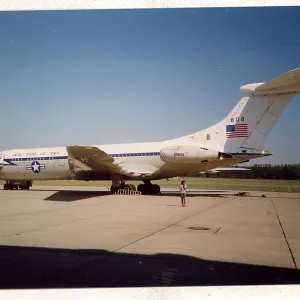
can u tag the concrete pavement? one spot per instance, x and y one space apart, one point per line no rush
69 237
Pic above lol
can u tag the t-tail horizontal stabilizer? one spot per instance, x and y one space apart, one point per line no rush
285 84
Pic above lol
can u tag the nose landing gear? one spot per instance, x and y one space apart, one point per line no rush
15 185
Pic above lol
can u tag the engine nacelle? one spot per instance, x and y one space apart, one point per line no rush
188 154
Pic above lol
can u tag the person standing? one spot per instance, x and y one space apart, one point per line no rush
183 187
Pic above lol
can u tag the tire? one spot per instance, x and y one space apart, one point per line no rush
133 188
141 188
156 189
112 189
128 187
24 187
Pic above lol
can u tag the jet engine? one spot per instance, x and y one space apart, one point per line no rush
190 154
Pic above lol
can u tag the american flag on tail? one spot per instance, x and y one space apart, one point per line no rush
237 131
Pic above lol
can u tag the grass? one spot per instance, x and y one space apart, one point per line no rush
201 183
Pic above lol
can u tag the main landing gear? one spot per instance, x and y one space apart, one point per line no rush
14 185
129 187
146 189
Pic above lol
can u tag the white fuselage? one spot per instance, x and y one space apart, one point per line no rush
52 163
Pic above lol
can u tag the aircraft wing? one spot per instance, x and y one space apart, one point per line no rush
87 158
217 170
231 169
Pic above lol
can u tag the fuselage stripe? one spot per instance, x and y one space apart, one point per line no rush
18 159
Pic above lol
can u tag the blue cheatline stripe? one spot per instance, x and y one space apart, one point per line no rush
35 158
10 160
135 154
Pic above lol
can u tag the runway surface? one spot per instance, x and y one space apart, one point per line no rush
52 237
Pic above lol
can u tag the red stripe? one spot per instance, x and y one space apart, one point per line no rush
237 133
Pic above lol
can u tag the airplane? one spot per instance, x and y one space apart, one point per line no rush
238 138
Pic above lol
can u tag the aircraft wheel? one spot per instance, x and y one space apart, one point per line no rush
133 188
24 187
128 187
141 188
10 186
149 189
5 187
156 189
113 189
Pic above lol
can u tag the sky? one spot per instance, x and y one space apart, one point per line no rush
121 76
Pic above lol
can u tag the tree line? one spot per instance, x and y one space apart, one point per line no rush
262 171
267 171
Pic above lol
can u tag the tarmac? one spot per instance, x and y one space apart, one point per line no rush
76 237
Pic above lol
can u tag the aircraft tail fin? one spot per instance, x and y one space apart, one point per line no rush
247 126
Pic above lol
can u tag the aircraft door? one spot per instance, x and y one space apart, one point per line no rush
61 162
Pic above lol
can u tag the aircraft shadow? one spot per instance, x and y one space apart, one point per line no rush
33 267
189 195
197 191
70 196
